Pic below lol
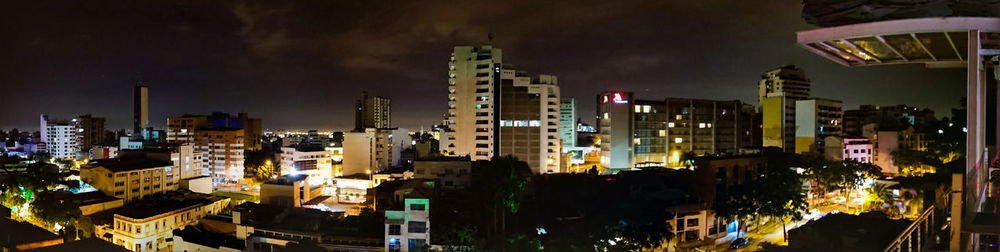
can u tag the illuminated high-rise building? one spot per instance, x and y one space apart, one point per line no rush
219 139
372 112
472 76
816 119
777 92
615 124
567 122
529 119
140 108
61 138
664 131
90 130
496 110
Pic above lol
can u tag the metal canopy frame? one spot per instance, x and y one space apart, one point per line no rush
909 37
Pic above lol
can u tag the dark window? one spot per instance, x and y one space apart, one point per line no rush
692 222
416 227
417 207
394 229
416 244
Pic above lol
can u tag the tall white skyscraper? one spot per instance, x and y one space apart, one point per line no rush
472 76
61 137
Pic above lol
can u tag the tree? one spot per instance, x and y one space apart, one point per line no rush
911 161
65 163
40 157
259 165
85 227
847 174
779 191
55 207
879 198
736 202
498 186
642 225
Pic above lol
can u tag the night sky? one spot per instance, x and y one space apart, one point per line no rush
301 64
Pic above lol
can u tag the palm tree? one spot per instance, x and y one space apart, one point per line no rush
878 196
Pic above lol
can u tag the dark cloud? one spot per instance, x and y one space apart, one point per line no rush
300 64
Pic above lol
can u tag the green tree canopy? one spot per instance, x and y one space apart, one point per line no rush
55 207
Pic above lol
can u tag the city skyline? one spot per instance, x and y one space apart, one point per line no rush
282 66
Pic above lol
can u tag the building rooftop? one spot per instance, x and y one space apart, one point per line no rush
287 179
444 158
149 208
152 206
15 233
305 147
359 176
128 164
197 235
92 244
418 188
394 170
296 219
90 198
197 177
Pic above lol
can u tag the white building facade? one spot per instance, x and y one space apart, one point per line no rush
408 229
472 76
312 161
62 139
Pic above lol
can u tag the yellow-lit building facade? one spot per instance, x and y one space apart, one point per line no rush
777 92
130 179
148 226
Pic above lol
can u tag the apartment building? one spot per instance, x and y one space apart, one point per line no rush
130 179
409 228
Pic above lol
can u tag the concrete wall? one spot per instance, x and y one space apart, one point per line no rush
358 152
198 185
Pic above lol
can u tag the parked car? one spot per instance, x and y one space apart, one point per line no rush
739 243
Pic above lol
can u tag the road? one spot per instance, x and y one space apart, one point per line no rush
771 231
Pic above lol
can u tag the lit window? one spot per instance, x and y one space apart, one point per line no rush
701 125
678 140
663 133
679 117
645 108
709 125
638 108
605 115
670 125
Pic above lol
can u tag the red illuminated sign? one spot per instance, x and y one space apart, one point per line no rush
618 98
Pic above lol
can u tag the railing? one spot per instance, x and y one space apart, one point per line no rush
922 229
